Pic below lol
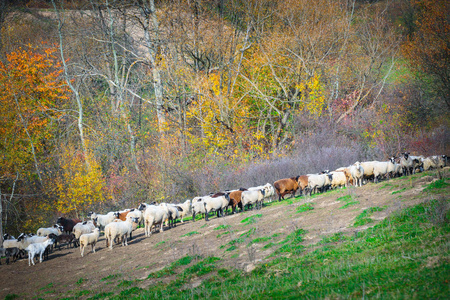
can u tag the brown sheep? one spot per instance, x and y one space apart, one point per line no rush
302 182
286 186
122 215
235 200
348 176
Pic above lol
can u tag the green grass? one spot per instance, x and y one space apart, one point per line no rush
399 191
404 256
190 233
160 243
364 217
248 233
437 186
348 200
305 207
220 227
109 277
251 219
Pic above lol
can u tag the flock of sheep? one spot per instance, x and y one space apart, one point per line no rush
118 226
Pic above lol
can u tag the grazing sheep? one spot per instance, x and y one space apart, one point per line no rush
172 214
407 164
120 230
286 186
67 224
430 163
56 229
89 239
154 215
217 204
338 179
441 160
252 198
82 228
417 162
37 248
303 184
269 190
63 238
357 172
102 220
383 168
318 181
184 209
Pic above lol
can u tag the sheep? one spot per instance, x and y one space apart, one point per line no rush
184 209
81 228
318 181
37 248
56 229
235 200
67 224
269 190
357 172
10 242
198 207
368 169
430 163
441 160
338 179
215 204
24 241
122 215
383 168
172 214
102 220
154 215
7 236
253 197
417 162
89 239
286 186
63 238
10 252
407 164
120 229
136 213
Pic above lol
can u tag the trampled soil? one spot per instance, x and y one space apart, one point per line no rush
67 274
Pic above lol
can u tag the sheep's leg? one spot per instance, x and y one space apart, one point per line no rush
93 248
193 216
81 250
206 215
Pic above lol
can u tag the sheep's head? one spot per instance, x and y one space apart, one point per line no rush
89 213
21 237
60 220
117 214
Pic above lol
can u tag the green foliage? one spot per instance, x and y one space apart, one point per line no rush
81 280
222 227
248 233
203 267
251 219
11 296
364 217
348 200
437 185
399 191
111 277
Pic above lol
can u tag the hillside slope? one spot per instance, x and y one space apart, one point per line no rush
282 240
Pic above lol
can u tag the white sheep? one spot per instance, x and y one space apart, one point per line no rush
254 197
184 209
383 168
217 204
56 229
368 168
318 181
103 220
197 207
172 213
154 215
37 248
136 213
82 228
357 172
24 241
11 243
269 190
407 164
121 230
338 179
89 239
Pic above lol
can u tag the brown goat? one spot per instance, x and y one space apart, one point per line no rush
286 186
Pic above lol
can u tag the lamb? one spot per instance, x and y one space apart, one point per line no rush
217 204
102 220
357 172
56 229
383 168
338 179
8 253
154 215
286 186
253 197
89 239
120 229
184 209
82 228
37 248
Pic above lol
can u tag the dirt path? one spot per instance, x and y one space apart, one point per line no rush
67 274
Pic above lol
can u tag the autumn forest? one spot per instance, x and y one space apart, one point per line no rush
105 104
